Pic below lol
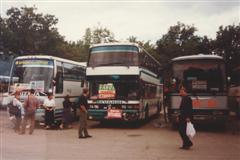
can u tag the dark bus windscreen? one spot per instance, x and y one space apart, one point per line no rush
200 75
118 55
32 74
114 87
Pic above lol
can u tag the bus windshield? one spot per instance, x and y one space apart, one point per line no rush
200 75
114 87
120 55
32 74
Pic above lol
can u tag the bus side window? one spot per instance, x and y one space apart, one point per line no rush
59 78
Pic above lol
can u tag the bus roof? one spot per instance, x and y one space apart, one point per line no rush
84 64
125 43
199 56
115 44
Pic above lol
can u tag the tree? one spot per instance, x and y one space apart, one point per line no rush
179 41
97 35
227 44
31 32
148 46
102 35
205 45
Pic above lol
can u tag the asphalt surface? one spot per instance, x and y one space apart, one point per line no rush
116 141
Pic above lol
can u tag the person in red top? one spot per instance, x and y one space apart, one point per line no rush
31 103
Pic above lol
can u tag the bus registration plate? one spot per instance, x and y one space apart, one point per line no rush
114 113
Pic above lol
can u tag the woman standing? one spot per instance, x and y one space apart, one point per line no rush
66 113
19 114
49 105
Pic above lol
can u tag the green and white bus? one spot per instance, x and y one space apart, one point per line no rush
124 82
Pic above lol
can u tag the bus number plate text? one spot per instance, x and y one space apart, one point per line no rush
114 113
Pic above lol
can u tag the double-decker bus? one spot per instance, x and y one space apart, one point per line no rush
124 82
47 73
204 77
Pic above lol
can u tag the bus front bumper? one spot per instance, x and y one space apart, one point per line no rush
203 115
101 114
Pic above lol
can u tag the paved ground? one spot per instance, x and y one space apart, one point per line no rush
116 142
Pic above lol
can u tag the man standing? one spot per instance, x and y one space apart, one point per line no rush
49 105
20 111
184 117
31 103
83 104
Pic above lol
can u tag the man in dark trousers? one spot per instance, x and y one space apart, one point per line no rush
83 104
185 116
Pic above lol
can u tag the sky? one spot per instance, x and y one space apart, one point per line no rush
144 19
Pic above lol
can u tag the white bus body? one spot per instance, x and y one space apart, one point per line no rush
121 87
48 73
204 77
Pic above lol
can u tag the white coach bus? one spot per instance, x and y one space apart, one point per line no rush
124 82
44 73
204 77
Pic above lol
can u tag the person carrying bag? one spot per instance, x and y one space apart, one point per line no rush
190 131
185 118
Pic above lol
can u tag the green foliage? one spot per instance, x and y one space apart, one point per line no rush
29 32
227 44
148 46
24 31
98 35
179 41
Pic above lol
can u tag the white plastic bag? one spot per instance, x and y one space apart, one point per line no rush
190 131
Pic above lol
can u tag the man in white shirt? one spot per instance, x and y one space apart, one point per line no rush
49 105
